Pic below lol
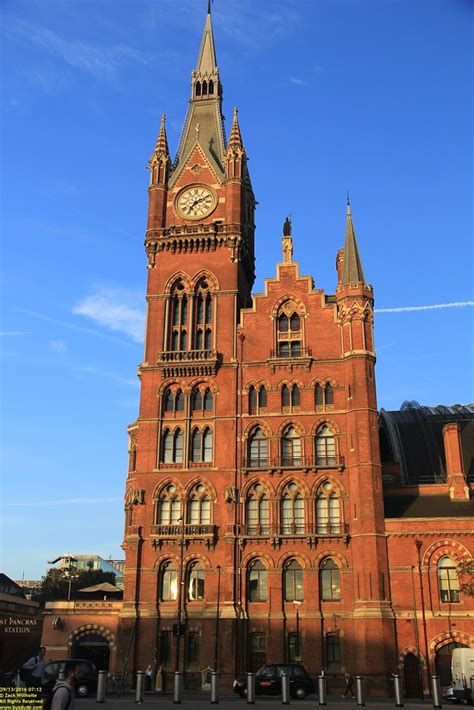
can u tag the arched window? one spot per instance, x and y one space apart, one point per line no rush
198 88
285 396
258 654
204 88
330 581
293 582
169 582
172 446
202 316
197 403
291 448
324 396
179 401
168 507
333 653
325 447
257 449
257 511
178 317
289 333
262 398
201 446
257 582
328 510
211 87
252 400
207 401
199 506
201 401
294 647
195 582
295 396
448 581
319 395
168 400
292 511
329 394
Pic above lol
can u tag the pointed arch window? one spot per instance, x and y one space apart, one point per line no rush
324 396
172 446
168 507
199 506
257 449
448 581
293 582
257 511
325 447
178 317
201 401
257 582
203 320
289 336
168 400
330 581
292 511
291 447
196 582
253 400
262 398
285 396
198 88
204 88
201 445
169 582
328 511
211 87
173 401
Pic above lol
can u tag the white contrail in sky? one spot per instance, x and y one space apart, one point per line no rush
433 307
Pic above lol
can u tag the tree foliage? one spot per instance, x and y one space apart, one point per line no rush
466 577
55 584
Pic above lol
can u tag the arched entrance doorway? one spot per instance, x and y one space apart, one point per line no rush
412 676
94 648
443 661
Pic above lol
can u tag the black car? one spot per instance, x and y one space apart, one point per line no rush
85 683
268 681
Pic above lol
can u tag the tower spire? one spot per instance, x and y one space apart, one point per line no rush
235 138
161 147
206 61
352 271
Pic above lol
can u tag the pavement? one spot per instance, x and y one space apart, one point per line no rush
233 702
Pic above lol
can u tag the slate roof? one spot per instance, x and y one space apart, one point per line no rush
427 507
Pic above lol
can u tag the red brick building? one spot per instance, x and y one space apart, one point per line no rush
260 520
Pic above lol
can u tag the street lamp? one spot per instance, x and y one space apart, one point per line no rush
297 645
179 625
216 647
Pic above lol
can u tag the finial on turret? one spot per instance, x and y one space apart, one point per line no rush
287 242
208 7
348 208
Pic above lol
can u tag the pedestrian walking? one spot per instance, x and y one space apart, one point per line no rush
348 688
31 672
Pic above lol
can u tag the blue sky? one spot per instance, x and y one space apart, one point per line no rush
373 97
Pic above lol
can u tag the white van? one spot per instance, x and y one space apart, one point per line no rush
462 669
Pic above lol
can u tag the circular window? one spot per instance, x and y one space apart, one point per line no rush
200 488
170 488
258 487
292 487
327 486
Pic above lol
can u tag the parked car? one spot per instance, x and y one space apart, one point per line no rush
85 684
268 681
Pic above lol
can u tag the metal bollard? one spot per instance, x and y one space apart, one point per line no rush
398 690
250 688
178 677
285 689
360 690
322 690
101 682
436 692
140 687
214 688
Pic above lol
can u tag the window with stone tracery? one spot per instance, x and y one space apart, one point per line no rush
292 510
257 511
172 446
325 447
291 450
448 580
257 448
201 445
202 325
168 582
168 507
201 400
289 334
328 510
324 396
199 506
178 318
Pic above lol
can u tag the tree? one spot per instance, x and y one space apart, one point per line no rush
55 584
466 574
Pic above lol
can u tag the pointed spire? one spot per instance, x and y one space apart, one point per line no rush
161 147
352 271
235 138
206 62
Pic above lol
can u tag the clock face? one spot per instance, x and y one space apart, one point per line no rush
195 202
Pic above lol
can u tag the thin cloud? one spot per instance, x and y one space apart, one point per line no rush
111 307
101 62
64 501
297 81
433 307
58 346
12 333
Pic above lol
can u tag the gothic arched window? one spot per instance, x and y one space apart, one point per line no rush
257 581
292 511
199 506
328 510
325 447
201 401
289 334
262 398
257 511
257 448
293 582
295 396
169 582
172 446
201 445
448 580
203 321
253 400
168 507
330 581
196 582
291 447
178 317
168 400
